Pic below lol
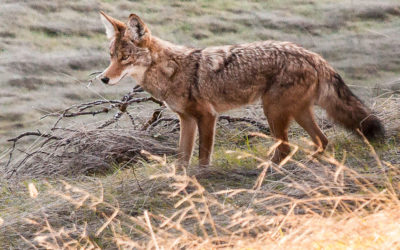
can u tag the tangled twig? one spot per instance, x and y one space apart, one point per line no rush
38 133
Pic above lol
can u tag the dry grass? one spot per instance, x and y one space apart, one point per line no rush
323 204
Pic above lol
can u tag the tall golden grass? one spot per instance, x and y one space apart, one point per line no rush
322 204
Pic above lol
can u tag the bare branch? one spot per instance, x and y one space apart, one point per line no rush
38 133
253 122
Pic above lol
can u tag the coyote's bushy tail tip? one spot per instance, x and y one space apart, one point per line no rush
372 128
349 111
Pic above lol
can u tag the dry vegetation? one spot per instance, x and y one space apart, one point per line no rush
101 174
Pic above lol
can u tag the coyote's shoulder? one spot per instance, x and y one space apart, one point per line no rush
198 84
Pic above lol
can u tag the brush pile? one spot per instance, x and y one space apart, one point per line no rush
89 152
77 150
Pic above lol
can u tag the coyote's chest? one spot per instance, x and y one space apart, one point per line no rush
175 97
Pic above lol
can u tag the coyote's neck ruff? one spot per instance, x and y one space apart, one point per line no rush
198 84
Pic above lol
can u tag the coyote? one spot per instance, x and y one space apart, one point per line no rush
198 84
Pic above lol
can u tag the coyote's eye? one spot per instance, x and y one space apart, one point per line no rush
125 57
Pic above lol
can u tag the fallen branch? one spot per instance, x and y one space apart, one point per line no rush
38 133
121 105
113 120
253 122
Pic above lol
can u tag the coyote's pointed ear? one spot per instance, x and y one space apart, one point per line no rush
112 25
137 31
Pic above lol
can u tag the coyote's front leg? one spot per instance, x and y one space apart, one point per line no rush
187 137
206 124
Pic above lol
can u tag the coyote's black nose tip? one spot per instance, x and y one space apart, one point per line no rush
105 80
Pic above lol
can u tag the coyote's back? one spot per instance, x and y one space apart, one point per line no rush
285 73
240 74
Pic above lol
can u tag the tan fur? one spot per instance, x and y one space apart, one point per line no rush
198 84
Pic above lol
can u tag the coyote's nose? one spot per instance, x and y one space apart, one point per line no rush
105 80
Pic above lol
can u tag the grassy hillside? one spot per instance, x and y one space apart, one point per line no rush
101 191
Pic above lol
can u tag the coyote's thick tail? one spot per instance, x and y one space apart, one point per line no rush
346 109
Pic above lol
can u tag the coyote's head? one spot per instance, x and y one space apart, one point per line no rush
128 49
